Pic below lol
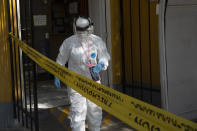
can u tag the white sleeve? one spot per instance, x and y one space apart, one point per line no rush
103 54
64 53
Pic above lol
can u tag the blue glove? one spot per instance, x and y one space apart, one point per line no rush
57 82
98 67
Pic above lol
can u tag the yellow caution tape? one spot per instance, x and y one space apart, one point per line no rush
134 112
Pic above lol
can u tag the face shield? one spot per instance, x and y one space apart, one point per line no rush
83 27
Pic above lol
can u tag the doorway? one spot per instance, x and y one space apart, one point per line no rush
51 23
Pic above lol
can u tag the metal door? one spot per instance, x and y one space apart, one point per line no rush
24 89
139 50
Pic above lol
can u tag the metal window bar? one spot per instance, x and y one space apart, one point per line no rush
132 70
16 59
16 89
25 71
29 90
25 65
36 120
122 46
25 94
140 42
150 58
19 73
20 108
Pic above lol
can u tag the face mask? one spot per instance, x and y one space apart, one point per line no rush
83 35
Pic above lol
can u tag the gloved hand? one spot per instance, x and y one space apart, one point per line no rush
57 82
98 67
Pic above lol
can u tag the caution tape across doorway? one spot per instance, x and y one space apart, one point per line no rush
138 114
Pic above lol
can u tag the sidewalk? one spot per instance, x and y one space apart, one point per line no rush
54 108
15 127
109 123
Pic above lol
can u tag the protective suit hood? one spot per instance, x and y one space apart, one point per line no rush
81 51
83 26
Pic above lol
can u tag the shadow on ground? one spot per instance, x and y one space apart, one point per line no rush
53 110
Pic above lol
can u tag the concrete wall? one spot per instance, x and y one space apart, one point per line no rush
182 2
178 54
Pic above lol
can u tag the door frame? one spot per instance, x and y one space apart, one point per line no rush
162 50
103 29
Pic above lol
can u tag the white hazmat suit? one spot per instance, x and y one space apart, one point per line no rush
80 50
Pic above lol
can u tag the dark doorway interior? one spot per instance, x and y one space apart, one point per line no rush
48 25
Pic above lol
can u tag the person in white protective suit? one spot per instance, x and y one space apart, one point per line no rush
85 53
